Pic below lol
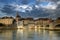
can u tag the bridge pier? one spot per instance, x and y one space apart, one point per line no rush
51 26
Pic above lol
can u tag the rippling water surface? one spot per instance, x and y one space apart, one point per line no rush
29 35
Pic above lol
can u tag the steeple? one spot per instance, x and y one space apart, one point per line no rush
18 17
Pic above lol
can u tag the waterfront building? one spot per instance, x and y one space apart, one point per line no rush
27 22
7 20
57 22
18 17
42 22
30 22
19 23
46 22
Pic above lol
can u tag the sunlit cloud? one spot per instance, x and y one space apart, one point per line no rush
22 8
48 5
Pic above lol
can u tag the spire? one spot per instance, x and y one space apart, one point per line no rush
17 15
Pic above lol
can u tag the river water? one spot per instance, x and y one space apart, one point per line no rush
29 35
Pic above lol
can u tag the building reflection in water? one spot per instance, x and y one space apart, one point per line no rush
6 35
29 35
19 34
14 35
54 35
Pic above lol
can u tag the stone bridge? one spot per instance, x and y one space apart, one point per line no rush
56 24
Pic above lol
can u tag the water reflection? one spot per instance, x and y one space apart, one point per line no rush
29 35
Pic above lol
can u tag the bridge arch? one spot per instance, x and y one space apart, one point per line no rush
57 25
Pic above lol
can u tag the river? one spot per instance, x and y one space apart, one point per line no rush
29 35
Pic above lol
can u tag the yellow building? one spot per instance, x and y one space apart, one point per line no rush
58 20
6 20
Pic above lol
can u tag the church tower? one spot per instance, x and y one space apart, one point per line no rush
18 17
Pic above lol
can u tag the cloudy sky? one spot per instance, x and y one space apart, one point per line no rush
30 8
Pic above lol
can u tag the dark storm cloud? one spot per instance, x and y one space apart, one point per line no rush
8 10
34 13
24 1
54 13
50 0
7 1
55 0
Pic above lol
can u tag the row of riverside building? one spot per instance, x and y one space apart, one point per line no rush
36 23
29 22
